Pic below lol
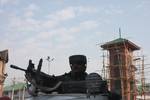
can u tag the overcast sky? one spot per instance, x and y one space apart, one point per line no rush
34 29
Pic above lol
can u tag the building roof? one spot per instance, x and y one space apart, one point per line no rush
120 41
16 87
4 55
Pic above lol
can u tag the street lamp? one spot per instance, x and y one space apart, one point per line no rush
49 59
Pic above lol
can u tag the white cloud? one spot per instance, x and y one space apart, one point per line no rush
41 31
19 25
45 35
30 10
143 7
142 4
84 25
28 25
65 14
65 36
111 10
32 7
1 11
29 14
48 24
88 9
75 29
90 24
8 2
2 2
71 12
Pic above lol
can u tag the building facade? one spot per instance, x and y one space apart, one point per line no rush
16 91
3 75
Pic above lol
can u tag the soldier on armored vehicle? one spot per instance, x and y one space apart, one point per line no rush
76 81
75 78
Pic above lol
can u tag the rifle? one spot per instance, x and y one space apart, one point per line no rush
30 64
42 81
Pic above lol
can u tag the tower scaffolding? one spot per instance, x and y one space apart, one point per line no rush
121 69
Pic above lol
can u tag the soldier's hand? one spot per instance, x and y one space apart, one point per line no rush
30 66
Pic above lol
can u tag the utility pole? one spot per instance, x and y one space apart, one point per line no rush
119 32
12 94
49 59
143 78
104 69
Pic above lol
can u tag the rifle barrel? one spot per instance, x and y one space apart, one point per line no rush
16 67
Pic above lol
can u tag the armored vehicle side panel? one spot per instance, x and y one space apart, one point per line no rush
69 97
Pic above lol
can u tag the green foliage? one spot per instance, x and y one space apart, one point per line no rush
146 88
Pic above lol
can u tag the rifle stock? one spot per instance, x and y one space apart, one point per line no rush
18 68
